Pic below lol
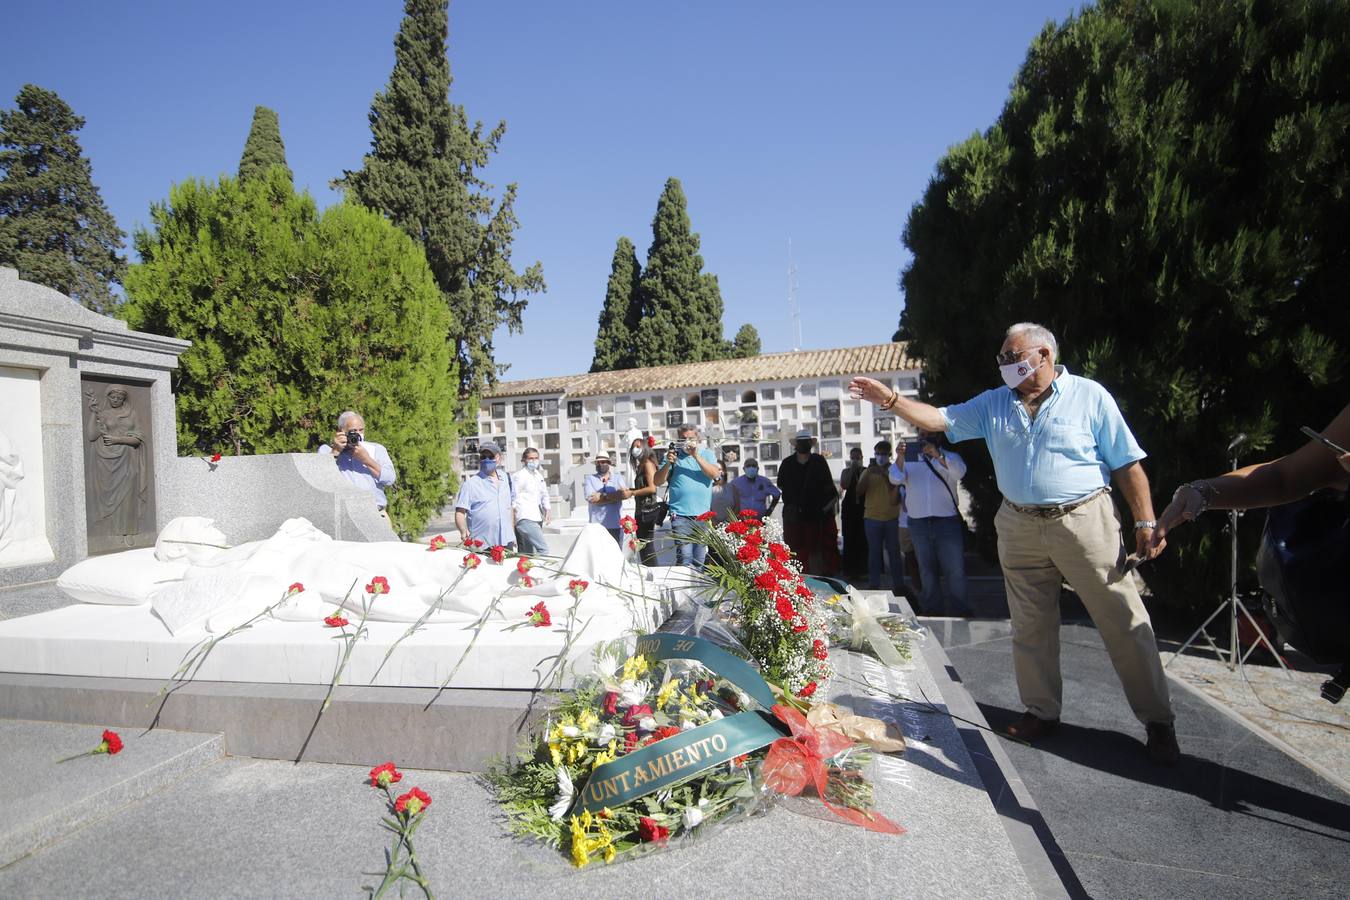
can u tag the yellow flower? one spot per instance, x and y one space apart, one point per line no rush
587 720
610 853
667 693
554 754
604 756
580 855
634 667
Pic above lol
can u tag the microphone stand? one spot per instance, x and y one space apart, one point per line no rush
1232 604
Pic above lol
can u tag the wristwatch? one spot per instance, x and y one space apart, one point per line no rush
1145 523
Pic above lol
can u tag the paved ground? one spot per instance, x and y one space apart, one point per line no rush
1237 818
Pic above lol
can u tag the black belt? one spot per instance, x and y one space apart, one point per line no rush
1054 512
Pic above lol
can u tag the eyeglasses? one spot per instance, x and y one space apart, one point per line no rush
1008 357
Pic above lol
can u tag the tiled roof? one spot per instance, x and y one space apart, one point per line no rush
794 365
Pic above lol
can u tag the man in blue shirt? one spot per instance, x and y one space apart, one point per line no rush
364 463
1058 441
605 490
483 507
690 470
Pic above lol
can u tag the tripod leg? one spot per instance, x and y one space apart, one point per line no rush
1199 631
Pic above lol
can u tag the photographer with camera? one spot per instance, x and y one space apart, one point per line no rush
364 463
690 471
935 524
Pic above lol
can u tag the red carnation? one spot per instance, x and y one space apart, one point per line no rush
808 690
630 742
523 565
651 831
651 440
538 615
471 561
661 734
635 714
819 650
112 744
707 516
294 589
785 608
766 581
215 457
632 544
750 514
577 586
800 625
334 621
748 553
610 703
497 553
780 552
378 585
385 774
739 528
437 543
473 542
804 591
413 802
628 524
754 538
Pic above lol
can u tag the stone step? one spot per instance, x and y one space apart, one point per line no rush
42 800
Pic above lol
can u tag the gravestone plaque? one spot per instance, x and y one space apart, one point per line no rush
829 409
709 396
674 419
119 477
518 408
574 409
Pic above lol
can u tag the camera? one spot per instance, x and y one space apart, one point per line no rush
353 438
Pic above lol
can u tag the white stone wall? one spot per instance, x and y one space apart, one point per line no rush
566 441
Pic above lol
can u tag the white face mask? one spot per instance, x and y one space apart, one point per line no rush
1017 372
882 459
636 451
532 464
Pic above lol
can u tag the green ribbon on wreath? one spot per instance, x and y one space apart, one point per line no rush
680 756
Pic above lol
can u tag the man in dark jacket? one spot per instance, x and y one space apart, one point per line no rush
809 498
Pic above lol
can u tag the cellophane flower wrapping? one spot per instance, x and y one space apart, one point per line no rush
854 623
640 700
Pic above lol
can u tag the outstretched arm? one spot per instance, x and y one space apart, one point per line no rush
1133 484
919 414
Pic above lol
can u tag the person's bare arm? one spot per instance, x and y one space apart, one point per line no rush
1133 485
919 414
462 524
1272 483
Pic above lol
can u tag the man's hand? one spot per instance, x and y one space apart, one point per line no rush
869 389
339 442
1148 543
1186 504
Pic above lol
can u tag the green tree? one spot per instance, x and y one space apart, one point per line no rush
1161 190
422 172
264 147
54 227
294 317
746 343
621 314
677 297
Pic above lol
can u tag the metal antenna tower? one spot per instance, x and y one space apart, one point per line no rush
794 311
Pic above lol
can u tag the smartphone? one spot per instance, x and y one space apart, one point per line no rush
1323 440
913 449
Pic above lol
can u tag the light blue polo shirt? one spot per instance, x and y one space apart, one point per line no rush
606 514
1077 440
690 486
488 504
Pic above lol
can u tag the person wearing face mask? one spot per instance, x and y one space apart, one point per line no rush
809 497
531 504
750 491
605 489
881 519
646 512
483 508
1058 443
851 516
935 525
690 469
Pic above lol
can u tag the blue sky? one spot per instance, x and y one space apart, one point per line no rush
820 123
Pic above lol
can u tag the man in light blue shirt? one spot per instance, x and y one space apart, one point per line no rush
1058 441
364 463
605 490
690 469
483 507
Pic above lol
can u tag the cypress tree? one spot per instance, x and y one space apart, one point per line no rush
1161 190
264 147
54 227
621 314
293 317
746 343
422 172
677 297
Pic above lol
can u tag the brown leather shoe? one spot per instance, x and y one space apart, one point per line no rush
1162 743
1032 728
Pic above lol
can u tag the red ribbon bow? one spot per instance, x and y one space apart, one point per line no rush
793 763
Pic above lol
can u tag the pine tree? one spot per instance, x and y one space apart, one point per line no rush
264 147
54 227
621 314
1161 190
746 343
677 298
422 172
293 317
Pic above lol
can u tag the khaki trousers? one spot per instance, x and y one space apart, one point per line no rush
1083 548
